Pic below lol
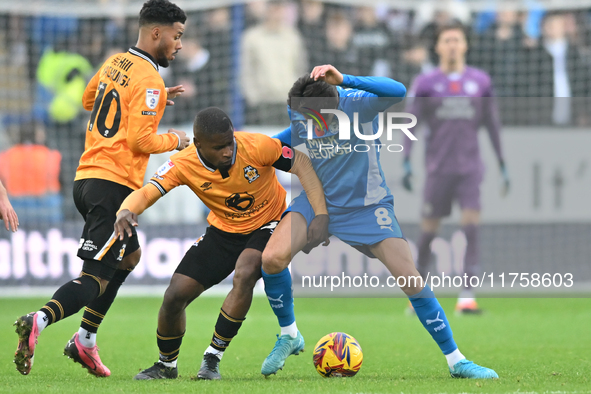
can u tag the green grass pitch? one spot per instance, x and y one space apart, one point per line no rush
535 345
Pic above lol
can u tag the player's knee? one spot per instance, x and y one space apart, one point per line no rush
246 278
273 262
173 302
177 297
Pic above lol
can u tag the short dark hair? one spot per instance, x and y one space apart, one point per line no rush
212 120
453 25
161 12
305 86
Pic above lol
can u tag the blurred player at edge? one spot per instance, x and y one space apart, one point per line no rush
454 167
360 207
127 99
6 211
233 173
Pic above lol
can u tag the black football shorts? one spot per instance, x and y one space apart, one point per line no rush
98 201
213 257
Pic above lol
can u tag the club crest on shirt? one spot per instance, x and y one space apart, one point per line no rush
152 97
251 174
470 87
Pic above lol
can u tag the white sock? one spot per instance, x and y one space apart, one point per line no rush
291 330
454 357
168 364
42 321
86 338
218 353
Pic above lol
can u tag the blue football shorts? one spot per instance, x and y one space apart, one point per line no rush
359 227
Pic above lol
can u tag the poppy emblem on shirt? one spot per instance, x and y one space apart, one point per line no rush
251 174
455 86
287 152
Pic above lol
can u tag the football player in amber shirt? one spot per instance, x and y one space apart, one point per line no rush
233 173
127 98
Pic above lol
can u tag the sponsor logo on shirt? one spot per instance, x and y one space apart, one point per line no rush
240 201
149 113
152 97
164 168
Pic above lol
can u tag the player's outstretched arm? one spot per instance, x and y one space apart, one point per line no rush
133 206
7 213
318 228
380 86
492 123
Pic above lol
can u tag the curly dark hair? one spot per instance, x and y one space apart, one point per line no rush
321 93
161 12
212 120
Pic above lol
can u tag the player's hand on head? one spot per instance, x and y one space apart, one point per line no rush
183 138
327 73
407 178
172 93
125 220
317 233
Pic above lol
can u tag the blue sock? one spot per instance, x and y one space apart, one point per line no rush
431 314
279 294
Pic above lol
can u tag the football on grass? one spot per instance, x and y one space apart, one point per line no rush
337 355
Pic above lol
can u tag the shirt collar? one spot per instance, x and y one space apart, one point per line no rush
144 55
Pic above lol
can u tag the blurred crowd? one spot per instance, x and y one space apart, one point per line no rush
244 58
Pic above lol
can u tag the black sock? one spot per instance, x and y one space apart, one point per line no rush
95 312
169 347
226 328
71 297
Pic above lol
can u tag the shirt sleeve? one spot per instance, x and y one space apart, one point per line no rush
141 199
414 105
90 92
144 118
491 120
388 90
268 150
166 178
289 137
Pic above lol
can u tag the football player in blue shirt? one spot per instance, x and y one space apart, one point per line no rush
360 207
